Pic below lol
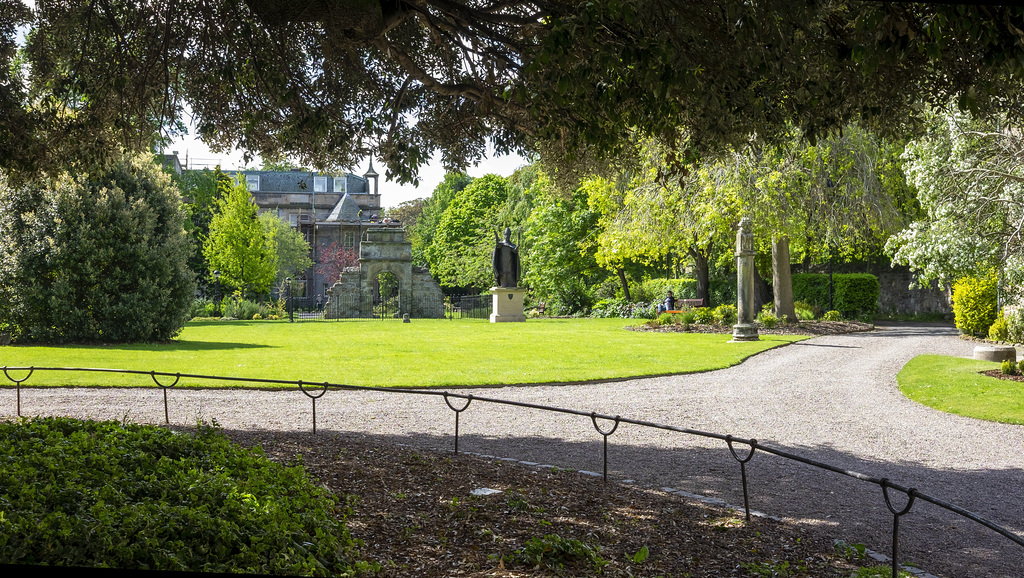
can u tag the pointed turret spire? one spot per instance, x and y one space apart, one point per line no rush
371 174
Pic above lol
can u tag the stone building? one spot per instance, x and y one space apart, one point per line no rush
325 208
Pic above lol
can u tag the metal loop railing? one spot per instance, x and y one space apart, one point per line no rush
605 434
885 484
896 515
18 382
743 469
458 412
313 397
164 388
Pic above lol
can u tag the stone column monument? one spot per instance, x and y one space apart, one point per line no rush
745 328
507 298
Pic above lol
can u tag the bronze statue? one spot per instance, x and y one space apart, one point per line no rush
505 261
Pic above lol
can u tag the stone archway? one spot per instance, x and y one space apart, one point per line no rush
409 290
387 301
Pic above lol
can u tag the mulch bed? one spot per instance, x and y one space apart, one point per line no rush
801 328
998 374
416 515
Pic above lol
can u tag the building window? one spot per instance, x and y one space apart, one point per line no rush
340 184
319 184
350 239
252 182
293 219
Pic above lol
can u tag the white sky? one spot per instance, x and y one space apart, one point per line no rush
391 194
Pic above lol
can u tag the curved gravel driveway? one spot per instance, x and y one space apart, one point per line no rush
833 399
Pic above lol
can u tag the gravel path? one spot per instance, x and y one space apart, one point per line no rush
833 399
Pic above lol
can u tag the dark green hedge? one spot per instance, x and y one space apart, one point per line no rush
80 493
853 293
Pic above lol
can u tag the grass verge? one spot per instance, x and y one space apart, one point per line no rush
954 385
380 353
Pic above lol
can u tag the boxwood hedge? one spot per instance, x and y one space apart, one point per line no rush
852 293
81 493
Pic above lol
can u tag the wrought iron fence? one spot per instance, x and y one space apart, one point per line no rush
467 306
741 449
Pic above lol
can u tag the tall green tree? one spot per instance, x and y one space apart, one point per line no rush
655 218
238 246
98 257
615 248
560 261
421 235
200 191
292 249
460 253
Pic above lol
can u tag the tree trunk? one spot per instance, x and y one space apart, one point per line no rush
625 284
782 280
700 266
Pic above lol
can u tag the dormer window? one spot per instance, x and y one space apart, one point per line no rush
319 184
252 182
340 184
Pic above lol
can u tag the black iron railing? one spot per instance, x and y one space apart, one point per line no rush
316 390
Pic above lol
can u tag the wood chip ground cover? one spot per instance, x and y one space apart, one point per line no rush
416 515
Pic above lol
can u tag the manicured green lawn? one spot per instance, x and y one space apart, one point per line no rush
953 384
390 353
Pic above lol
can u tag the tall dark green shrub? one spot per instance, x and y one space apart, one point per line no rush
811 288
100 258
855 293
852 293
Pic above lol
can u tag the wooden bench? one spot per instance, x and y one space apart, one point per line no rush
689 303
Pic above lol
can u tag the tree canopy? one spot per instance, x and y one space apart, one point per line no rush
331 81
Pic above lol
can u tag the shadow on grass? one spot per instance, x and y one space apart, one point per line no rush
843 508
158 347
190 346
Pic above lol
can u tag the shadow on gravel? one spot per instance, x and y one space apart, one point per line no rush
830 346
912 329
934 539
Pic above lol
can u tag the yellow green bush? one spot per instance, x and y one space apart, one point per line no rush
974 303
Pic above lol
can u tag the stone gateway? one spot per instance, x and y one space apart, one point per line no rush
384 250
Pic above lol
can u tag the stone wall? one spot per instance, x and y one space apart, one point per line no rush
427 298
343 298
896 296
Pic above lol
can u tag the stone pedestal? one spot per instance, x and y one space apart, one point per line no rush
745 328
745 332
995 352
507 304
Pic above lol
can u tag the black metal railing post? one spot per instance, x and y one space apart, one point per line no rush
458 411
17 384
313 398
743 469
605 434
177 377
896 514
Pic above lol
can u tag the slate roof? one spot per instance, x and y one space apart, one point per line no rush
346 211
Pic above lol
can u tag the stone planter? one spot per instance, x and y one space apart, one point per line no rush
995 353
